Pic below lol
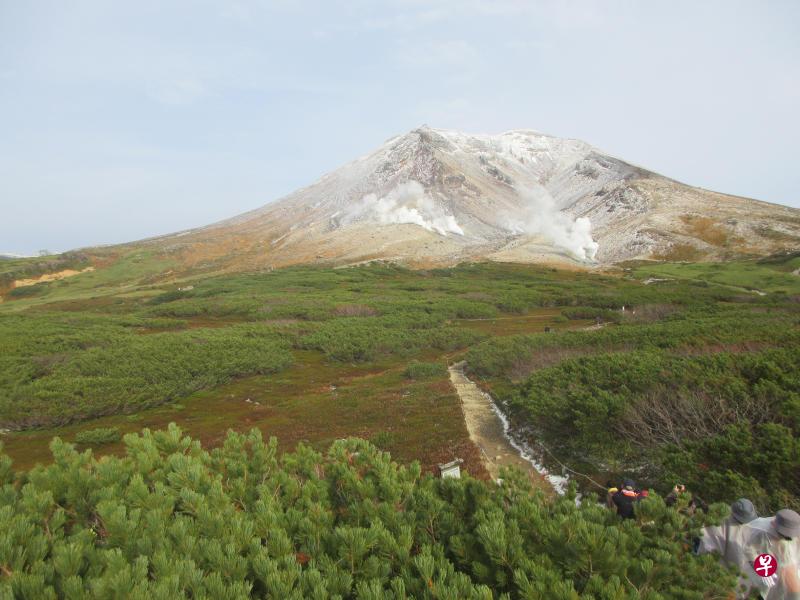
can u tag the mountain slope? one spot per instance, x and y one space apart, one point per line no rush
440 197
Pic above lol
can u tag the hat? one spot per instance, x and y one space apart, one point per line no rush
743 511
787 523
628 483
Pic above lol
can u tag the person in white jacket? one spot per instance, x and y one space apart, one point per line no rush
779 537
731 541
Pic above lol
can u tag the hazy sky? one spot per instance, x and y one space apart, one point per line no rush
121 120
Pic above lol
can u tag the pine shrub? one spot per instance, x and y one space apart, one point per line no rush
170 520
100 435
425 370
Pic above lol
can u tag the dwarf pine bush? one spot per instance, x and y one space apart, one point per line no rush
424 370
171 520
99 435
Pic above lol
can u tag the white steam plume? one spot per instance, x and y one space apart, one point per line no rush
406 203
540 216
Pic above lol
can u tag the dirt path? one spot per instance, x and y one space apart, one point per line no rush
488 431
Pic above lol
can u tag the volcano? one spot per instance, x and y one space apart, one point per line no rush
440 197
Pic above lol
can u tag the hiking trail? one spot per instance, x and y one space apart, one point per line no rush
489 429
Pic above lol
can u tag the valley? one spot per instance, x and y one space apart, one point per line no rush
311 355
314 400
300 414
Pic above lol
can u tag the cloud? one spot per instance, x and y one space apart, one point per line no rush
528 45
406 203
565 15
445 111
405 22
178 92
447 53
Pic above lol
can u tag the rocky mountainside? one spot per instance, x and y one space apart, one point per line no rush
434 196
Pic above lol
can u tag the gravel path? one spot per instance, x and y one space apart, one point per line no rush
486 429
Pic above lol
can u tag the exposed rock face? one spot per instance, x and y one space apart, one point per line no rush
440 197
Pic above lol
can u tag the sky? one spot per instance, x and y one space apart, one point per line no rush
123 120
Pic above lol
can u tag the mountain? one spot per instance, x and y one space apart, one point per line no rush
435 196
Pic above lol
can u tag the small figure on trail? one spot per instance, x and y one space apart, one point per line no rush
623 499
779 538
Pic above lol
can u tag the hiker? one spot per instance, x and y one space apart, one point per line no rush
778 536
694 502
731 541
672 497
622 499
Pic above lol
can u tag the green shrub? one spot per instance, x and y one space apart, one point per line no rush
466 309
382 439
696 419
66 368
425 370
170 296
30 291
100 435
363 339
172 520
121 352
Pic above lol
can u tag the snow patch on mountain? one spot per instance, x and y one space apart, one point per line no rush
406 203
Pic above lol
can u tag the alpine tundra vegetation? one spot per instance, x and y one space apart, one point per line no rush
120 481
170 519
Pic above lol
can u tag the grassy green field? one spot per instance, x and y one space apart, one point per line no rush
320 354
764 275
115 276
316 354
701 387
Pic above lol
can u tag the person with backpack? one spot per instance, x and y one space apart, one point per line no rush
623 499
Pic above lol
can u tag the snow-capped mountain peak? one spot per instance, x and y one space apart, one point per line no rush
442 196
